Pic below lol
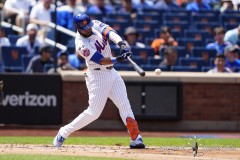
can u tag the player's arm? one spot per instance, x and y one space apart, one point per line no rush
99 59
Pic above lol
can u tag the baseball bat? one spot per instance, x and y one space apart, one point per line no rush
140 71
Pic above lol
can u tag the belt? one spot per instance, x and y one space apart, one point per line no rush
110 67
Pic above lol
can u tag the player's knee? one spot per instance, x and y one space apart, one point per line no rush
94 113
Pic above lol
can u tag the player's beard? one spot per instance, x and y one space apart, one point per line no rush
86 33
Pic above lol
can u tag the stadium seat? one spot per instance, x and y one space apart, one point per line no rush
229 18
119 26
62 38
95 16
193 62
182 52
143 34
177 26
25 61
215 13
118 16
206 68
47 67
70 50
153 11
148 17
153 61
143 52
209 27
11 57
197 34
175 33
152 25
229 26
206 54
7 30
115 50
190 43
148 67
185 69
13 39
123 67
139 60
148 41
175 17
204 18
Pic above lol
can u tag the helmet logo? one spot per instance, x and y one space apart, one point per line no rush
84 22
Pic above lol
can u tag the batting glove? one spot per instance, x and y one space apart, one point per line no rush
124 48
123 57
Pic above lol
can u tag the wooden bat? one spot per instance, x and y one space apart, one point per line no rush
140 71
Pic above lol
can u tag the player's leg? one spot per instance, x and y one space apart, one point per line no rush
119 97
98 94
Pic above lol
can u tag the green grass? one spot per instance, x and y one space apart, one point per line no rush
51 157
124 141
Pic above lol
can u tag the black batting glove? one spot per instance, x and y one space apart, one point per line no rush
124 48
123 57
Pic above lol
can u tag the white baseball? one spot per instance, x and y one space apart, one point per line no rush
158 71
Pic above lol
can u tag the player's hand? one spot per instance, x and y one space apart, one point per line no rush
124 48
124 56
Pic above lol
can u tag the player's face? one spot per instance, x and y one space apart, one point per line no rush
85 33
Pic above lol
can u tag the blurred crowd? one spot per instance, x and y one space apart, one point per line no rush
34 17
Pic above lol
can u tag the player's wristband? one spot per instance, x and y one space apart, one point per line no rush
114 60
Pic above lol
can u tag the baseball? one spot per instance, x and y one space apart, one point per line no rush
158 71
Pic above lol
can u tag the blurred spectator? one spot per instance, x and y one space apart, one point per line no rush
197 5
163 41
219 43
183 3
231 61
128 9
236 5
141 4
82 5
37 63
219 63
100 8
170 58
166 4
233 36
41 15
4 41
62 63
76 61
131 37
226 5
65 14
18 11
2 4
30 41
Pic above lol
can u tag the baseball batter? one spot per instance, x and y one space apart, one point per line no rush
102 80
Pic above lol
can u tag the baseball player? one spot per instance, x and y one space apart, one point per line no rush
102 80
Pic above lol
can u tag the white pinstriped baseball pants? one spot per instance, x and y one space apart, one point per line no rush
101 84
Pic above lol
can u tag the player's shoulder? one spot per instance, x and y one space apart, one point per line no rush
98 24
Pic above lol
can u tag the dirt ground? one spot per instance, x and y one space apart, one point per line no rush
150 153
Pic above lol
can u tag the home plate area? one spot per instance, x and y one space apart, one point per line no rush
150 153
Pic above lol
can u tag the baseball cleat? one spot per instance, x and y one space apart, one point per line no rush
137 143
58 141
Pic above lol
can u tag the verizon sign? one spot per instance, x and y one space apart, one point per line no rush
31 99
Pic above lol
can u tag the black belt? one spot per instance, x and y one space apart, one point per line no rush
110 67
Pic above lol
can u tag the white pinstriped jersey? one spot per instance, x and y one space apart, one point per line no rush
101 84
87 46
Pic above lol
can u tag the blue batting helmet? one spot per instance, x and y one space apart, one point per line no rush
82 21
